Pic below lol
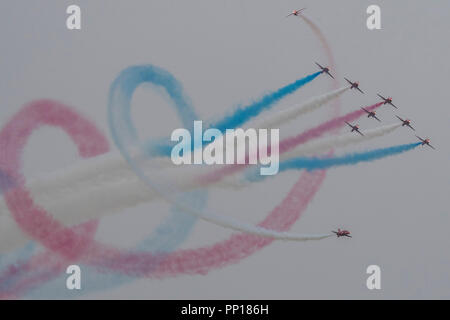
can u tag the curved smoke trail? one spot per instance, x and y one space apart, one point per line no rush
286 235
76 201
68 194
240 115
107 192
126 140
236 248
61 190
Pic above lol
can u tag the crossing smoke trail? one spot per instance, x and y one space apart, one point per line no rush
121 141
240 246
66 193
111 168
316 163
290 143
103 193
74 201
51 242
81 198
167 191
279 118
69 193
200 261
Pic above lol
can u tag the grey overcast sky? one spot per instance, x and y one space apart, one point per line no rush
230 52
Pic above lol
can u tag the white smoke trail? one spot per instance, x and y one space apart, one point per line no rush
73 205
284 116
90 190
106 185
315 147
275 120
96 187
237 225
11 237
343 140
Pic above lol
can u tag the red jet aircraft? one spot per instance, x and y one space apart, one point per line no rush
425 142
342 233
406 122
354 128
295 12
371 114
325 70
355 85
387 101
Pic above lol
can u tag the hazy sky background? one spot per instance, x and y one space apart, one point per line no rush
230 52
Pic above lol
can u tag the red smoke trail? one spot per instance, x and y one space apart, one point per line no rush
281 218
290 143
202 260
77 244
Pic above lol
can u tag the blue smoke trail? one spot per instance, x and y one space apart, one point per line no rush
244 114
174 229
241 114
164 238
172 232
315 163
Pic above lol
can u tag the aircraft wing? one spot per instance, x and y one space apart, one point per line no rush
379 119
399 118
319 65
420 138
411 127
365 110
289 15
381 96
328 73
360 90
393 105
431 147
348 81
359 132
